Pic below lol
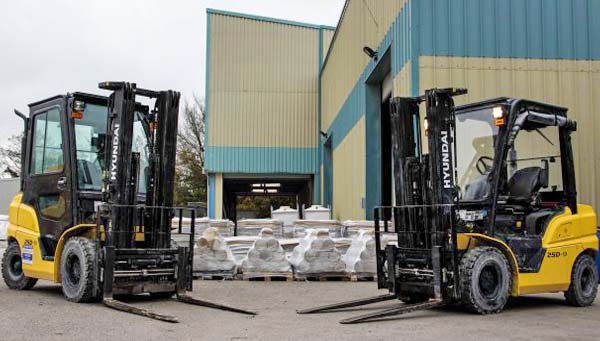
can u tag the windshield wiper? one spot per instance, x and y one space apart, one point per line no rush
544 136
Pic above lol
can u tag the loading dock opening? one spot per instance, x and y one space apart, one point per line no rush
298 188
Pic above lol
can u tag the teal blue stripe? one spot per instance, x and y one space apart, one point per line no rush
415 78
353 108
261 160
268 19
537 29
211 196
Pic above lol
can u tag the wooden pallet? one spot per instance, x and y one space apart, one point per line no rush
323 277
215 275
268 276
360 276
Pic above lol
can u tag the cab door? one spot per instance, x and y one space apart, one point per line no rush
47 184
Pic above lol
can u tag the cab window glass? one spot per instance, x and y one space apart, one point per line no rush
47 155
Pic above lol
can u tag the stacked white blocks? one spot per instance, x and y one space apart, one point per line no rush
266 255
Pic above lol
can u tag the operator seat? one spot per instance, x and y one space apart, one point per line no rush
523 187
526 183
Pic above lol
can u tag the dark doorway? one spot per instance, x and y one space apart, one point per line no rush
386 154
328 173
247 196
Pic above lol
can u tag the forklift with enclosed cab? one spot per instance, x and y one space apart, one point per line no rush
96 203
486 208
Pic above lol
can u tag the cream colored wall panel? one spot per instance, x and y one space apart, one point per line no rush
569 83
402 84
327 38
295 110
365 23
349 175
219 196
263 87
344 63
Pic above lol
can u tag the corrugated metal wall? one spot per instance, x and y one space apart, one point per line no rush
262 95
263 84
382 25
547 50
540 49
349 174
327 38
573 84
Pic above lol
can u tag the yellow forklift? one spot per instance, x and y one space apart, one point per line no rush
486 208
96 203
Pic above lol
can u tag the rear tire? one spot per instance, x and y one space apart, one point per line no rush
77 270
485 278
12 270
584 282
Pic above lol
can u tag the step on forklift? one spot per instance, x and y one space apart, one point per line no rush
96 203
489 211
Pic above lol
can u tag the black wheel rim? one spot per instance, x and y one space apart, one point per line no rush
15 266
587 281
73 267
489 280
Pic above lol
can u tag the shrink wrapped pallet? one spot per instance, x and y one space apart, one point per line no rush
351 228
253 227
332 226
240 246
266 255
360 257
316 253
288 216
212 254
225 227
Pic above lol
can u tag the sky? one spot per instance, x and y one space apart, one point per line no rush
54 47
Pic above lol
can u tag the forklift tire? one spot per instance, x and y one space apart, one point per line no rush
12 271
584 282
485 279
77 270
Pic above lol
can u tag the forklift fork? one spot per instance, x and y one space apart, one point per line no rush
184 281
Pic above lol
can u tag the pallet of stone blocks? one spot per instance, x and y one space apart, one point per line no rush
252 227
360 259
212 257
317 257
351 228
332 226
225 227
266 259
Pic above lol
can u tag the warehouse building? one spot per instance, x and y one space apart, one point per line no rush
262 108
275 111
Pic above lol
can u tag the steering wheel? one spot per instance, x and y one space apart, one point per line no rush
484 164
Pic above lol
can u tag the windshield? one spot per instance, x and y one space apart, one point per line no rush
90 131
476 134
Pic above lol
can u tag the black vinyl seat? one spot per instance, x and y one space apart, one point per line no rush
526 183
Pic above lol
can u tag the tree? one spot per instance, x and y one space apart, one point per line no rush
10 157
190 180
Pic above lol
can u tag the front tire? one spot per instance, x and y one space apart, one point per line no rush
77 270
584 282
12 270
485 279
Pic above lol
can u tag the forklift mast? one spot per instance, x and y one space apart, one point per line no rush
121 178
424 218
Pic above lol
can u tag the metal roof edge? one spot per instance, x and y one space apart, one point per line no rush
268 19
